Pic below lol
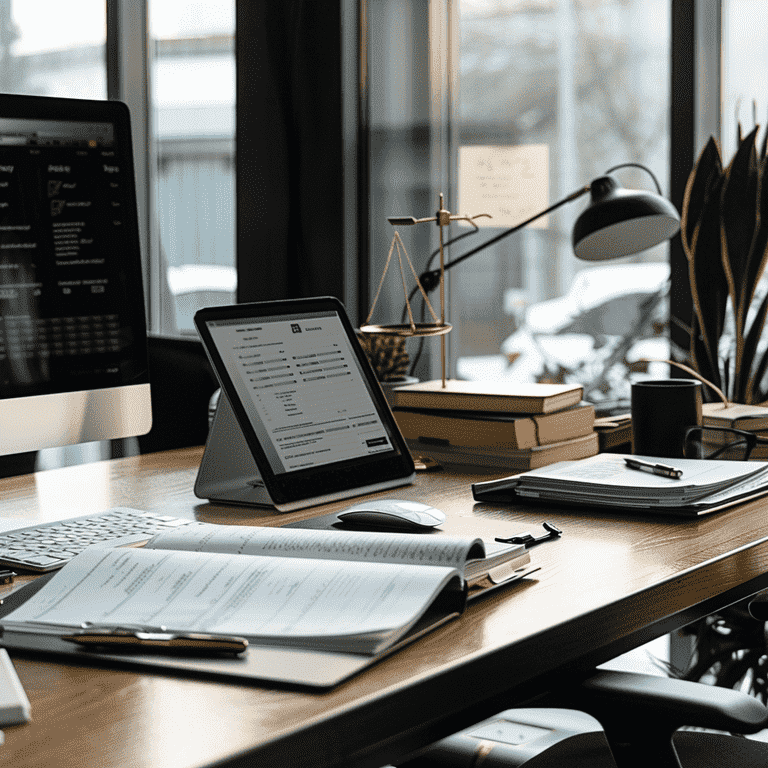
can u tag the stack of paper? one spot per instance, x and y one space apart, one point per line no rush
606 480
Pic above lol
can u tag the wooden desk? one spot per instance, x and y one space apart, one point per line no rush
611 584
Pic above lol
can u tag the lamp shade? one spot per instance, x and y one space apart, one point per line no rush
619 222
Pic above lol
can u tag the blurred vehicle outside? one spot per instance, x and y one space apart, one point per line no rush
596 334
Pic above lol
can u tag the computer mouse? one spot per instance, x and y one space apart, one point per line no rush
393 515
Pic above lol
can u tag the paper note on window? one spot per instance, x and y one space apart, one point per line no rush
509 183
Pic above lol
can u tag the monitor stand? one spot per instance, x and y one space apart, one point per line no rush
228 472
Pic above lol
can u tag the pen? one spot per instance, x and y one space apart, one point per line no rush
663 470
132 640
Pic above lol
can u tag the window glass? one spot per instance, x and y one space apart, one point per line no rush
549 94
745 69
744 98
53 48
587 81
193 99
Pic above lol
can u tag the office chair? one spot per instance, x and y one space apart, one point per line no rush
639 715
182 383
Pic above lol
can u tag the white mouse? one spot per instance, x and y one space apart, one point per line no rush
393 514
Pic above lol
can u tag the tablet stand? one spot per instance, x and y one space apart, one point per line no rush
228 471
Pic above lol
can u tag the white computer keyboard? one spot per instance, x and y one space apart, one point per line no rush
48 546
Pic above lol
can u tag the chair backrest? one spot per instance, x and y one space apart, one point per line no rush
182 382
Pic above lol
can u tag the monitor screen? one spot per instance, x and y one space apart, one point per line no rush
73 361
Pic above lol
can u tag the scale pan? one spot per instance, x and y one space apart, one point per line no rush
406 329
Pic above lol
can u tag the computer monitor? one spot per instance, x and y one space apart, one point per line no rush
73 359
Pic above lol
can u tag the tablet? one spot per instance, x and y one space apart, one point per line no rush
302 419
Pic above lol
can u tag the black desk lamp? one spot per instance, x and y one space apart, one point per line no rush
618 222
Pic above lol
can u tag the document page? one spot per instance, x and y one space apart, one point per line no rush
358 546
330 605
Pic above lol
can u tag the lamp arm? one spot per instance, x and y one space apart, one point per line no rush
431 278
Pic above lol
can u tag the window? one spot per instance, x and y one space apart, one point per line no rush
745 69
568 88
193 99
51 48
58 49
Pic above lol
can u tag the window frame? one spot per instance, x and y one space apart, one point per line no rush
128 80
270 264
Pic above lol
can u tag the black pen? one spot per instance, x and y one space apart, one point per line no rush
663 470
179 642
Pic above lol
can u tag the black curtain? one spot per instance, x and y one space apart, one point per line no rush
290 165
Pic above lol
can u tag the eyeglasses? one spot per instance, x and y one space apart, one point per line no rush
720 443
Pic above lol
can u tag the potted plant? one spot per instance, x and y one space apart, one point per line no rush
389 359
724 231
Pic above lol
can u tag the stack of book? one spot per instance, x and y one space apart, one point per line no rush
751 418
496 424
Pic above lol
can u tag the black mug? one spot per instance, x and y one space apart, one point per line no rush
662 410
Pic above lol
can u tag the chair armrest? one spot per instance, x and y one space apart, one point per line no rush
626 697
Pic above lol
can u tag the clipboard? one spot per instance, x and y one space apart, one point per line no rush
292 667
258 664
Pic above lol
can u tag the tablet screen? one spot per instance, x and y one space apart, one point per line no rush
302 388
305 396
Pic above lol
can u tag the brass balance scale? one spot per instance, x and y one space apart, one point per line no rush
438 326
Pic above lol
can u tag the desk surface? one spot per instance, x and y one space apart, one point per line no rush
610 584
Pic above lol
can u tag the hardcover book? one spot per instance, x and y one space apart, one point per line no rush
736 416
486 429
531 458
503 396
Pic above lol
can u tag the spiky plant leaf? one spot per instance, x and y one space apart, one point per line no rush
709 287
738 214
758 257
758 251
738 221
752 393
706 172
764 149
700 359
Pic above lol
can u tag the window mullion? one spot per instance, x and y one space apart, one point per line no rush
128 80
